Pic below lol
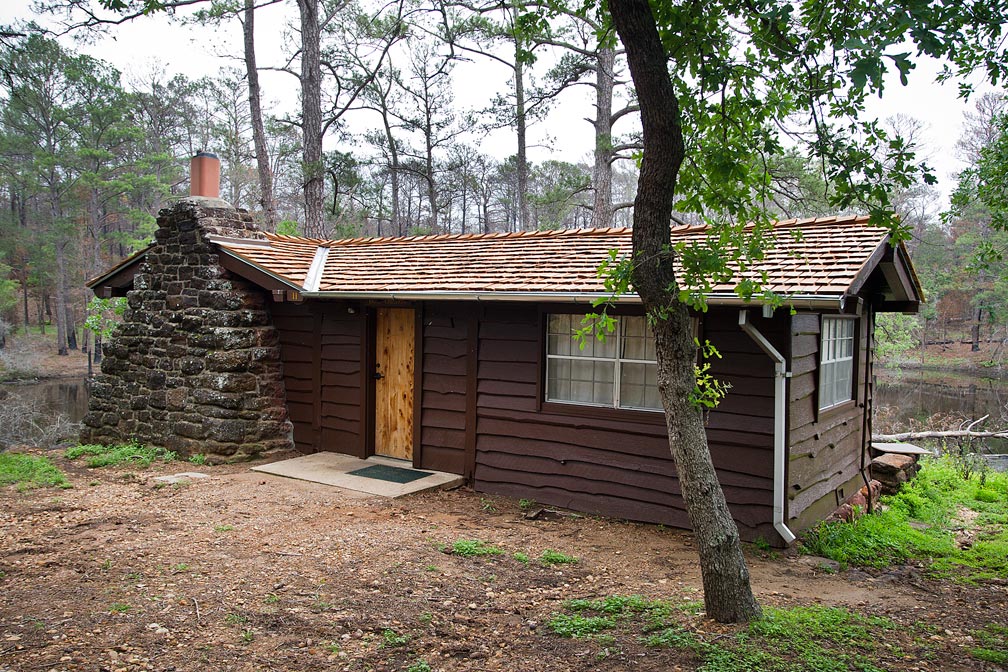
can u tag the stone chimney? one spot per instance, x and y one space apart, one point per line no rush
195 365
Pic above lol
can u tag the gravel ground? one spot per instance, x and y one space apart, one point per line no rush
243 571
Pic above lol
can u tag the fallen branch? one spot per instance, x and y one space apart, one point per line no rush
950 434
199 618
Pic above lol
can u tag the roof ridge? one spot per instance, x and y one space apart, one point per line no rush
677 228
493 235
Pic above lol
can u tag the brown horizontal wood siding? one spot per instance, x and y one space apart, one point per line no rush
341 335
824 446
444 386
320 346
295 327
609 465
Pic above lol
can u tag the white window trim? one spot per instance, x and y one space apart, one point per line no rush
617 373
823 360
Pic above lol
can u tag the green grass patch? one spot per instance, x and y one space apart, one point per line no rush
579 626
992 644
30 471
124 453
551 557
391 638
784 640
469 548
918 524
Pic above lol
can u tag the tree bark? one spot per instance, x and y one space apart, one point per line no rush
397 226
727 592
266 200
521 168
311 118
71 329
602 212
975 331
61 302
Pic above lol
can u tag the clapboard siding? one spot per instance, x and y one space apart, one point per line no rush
444 386
340 337
824 447
296 330
608 463
321 349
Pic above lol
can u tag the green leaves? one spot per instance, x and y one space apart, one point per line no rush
708 391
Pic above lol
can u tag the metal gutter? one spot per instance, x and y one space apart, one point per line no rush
720 299
781 374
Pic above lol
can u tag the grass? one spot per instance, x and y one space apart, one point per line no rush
551 557
391 638
993 645
468 548
784 640
115 455
119 607
918 524
30 471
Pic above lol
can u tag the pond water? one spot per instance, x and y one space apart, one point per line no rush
58 396
913 395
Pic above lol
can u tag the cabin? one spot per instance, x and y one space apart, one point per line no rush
456 353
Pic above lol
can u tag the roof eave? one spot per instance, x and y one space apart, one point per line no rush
826 301
119 275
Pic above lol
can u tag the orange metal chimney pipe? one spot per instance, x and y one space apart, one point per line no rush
204 175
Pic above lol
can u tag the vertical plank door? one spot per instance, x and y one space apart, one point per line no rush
394 386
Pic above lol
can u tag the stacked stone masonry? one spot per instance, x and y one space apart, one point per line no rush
195 365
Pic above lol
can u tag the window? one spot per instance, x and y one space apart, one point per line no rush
619 372
836 361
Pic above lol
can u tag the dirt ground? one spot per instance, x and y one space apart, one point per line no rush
244 571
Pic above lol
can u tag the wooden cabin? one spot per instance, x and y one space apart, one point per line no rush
455 353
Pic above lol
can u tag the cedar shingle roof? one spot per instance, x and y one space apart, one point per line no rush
821 257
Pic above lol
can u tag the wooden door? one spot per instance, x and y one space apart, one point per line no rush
394 385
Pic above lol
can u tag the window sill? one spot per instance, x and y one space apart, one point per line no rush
838 409
604 412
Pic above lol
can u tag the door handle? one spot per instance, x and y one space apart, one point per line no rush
378 375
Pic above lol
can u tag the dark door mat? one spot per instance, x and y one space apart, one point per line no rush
384 472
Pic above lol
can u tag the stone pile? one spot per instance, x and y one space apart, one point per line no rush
195 365
893 470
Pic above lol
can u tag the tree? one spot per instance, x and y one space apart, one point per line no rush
716 85
46 91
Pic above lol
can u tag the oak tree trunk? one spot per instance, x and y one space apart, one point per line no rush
727 593
311 118
266 201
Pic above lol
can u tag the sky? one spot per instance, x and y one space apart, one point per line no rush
155 42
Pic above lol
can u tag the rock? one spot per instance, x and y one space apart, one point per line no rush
893 470
183 477
820 564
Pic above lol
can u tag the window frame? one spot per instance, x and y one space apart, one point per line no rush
617 361
823 362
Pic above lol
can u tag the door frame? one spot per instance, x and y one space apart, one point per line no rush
370 347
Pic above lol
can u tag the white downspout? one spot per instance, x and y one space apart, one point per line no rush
781 375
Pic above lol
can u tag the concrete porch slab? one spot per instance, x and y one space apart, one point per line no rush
332 469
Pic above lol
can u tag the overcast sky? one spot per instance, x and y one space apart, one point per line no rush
153 41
